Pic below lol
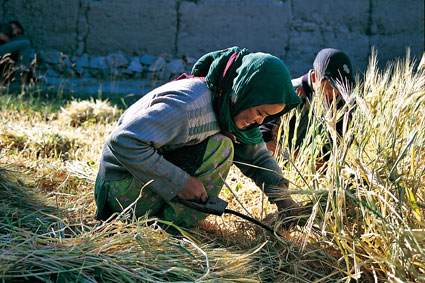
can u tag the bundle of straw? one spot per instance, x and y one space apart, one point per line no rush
78 113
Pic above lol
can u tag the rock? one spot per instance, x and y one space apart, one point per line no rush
147 59
173 68
190 60
67 61
157 65
50 56
135 65
83 61
98 63
116 60
52 73
79 71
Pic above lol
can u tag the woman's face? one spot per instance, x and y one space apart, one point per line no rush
256 114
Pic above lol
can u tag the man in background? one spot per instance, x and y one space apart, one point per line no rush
14 48
332 74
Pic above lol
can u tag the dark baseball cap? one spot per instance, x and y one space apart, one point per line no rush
335 66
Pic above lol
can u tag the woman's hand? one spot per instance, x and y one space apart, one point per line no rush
194 191
290 212
288 205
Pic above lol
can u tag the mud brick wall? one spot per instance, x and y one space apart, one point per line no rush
294 30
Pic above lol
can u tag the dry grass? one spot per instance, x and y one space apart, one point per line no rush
368 206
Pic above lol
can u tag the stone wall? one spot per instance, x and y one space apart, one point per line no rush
293 29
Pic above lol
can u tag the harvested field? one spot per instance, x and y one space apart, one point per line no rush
367 202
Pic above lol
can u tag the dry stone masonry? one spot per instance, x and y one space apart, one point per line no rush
114 65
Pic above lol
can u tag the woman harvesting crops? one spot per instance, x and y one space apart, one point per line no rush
184 135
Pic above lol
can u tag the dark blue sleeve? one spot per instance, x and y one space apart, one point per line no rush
257 162
268 129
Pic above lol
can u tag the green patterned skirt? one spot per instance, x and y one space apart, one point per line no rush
209 161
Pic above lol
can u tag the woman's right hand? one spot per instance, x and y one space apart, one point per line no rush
194 191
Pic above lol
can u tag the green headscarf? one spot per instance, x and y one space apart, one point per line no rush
252 79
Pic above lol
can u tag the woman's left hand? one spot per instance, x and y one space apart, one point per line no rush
287 204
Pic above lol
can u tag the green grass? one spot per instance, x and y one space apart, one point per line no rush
45 104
